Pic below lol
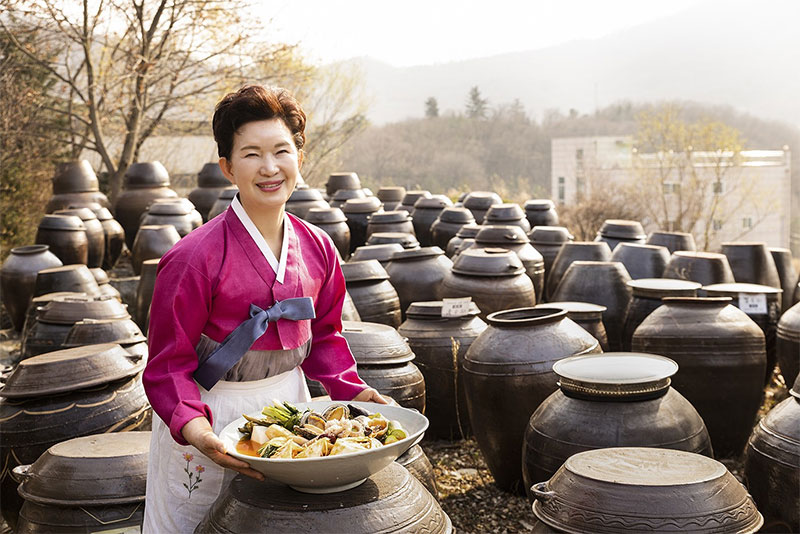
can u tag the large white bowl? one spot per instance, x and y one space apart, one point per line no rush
332 473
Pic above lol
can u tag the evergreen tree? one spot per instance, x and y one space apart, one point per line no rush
477 106
431 108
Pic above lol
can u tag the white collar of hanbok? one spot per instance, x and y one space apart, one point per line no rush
278 265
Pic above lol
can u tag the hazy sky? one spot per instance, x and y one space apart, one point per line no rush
414 32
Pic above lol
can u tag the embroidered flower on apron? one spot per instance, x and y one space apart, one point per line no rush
193 484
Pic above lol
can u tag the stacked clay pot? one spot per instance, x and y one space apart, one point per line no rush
570 252
75 278
152 241
372 293
408 241
224 200
410 198
303 199
616 231
18 279
343 195
507 215
787 345
358 212
447 225
341 180
465 237
390 221
417 275
333 222
95 234
75 185
391 196
210 183
114 237
479 202
646 297
674 241
426 211
641 261
177 212
540 212
382 253
65 235
548 240
704 267
143 183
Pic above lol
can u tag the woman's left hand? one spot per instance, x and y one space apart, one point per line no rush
372 395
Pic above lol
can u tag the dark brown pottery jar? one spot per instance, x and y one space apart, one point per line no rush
341 180
390 221
123 332
704 267
144 293
114 237
616 231
721 355
674 241
303 199
548 240
94 234
382 253
75 177
358 211
408 241
641 261
418 464
333 222
343 195
574 251
390 501
178 212
772 465
493 277
647 294
66 237
152 241
143 183
391 196
599 282
440 344
752 263
540 212
786 274
75 278
513 238
586 315
762 304
617 399
788 344
425 212
18 278
372 293
642 489
210 183
508 372
410 198
479 202
417 275
447 225
468 231
349 310
104 284
507 215
224 200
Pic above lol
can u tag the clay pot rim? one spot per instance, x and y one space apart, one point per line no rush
433 202
537 316
364 271
30 249
66 223
391 216
417 253
666 233
735 288
490 256
325 216
413 195
744 244
648 375
575 308
481 200
454 214
657 287
642 246
390 248
170 206
362 205
83 213
432 309
509 233
699 254
548 232
622 228
349 194
469 230
103 214
306 194
699 301
382 238
538 204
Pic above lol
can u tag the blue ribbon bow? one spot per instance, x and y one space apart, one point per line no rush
240 340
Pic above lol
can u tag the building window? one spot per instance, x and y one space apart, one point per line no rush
747 223
561 187
717 188
717 225
671 189
579 154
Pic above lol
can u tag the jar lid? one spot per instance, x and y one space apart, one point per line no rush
325 216
75 177
456 215
501 234
549 235
69 223
391 193
376 344
387 217
411 197
70 310
619 375
376 252
363 271
733 289
505 212
539 204
84 214
229 193
342 195
344 178
94 331
146 174
657 288
305 194
433 310
171 206
362 205
526 316
481 200
434 202
103 214
70 369
417 253
488 262
26 250
210 175
622 228
468 231
76 276
381 238
577 310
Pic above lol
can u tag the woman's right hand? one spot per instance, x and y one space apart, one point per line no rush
200 435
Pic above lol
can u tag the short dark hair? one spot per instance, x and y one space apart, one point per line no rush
255 103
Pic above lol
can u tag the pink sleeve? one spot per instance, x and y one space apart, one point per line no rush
178 313
330 360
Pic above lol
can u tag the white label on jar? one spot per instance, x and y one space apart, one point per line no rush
753 303
456 307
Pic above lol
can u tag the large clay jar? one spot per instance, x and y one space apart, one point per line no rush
114 237
752 263
410 198
586 315
66 237
721 355
375 298
447 225
178 212
104 284
647 294
468 231
513 238
144 293
704 267
349 310
494 278
643 489
417 463
618 399
507 215
548 240
788 344
94 234
540 212
123 332
407 241
786 274
390 221
333 222
574 251
599 282
75 278
210 183
341 180
641 261
152 241
508 372
18 279
426 211
417 275
143 183
75 184
673 241
303 199
224 200
440 344
772 465
479 202
382 253
616 231
391 196
390 501
358 211
343 195
37 304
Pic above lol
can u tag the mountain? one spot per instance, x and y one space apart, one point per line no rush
744 55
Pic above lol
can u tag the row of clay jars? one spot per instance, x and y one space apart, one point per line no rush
586 315
95 234
143 183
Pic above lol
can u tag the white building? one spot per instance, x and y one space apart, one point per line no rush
752 188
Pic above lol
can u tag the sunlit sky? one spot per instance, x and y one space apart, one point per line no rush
416 32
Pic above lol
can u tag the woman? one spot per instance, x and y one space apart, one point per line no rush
217 290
